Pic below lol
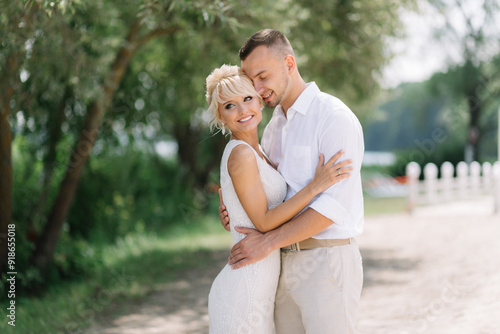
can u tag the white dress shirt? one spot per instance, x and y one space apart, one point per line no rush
319 123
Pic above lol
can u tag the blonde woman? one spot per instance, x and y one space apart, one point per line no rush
242 300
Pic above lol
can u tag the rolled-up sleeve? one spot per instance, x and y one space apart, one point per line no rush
327 205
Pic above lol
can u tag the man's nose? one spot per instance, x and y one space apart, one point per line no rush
258 87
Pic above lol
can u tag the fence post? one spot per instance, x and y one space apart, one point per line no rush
462 174
486 178
430 179
447 180
496 186
413 174
475 178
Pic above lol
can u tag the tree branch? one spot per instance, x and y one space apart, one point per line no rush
157 32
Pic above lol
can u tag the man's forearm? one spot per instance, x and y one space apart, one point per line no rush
306 225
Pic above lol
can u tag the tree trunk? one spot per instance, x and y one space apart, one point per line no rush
46 243
9 79
5 178
472 86
188 140
474 131
54 135
11 67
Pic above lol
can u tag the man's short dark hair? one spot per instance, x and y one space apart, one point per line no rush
270 38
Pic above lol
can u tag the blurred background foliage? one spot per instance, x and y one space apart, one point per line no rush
154 162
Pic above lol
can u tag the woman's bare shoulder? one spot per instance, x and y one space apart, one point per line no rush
242 158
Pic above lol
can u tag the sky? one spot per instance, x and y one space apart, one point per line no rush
417 56
420 55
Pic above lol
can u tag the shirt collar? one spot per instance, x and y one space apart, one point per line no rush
302 103
278 111
305 98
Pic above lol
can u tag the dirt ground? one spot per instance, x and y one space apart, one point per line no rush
435 271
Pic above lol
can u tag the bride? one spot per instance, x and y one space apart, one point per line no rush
242 300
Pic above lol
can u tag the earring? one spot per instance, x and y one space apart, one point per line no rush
223 129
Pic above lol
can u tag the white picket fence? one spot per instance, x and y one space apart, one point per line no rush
471 181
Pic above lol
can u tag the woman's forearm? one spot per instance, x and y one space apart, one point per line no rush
306 225
287 210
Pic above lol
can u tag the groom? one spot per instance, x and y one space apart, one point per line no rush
321 271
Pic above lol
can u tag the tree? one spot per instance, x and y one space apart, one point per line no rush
17 22
168 18
343 44
472 38
86 66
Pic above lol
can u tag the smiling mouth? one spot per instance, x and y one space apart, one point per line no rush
243 120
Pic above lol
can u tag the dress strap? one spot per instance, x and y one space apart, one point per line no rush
229 148
236 142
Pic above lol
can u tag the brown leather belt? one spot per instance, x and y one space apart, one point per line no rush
315 243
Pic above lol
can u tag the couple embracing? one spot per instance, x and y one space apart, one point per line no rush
293 204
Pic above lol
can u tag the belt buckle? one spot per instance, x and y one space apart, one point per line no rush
295 247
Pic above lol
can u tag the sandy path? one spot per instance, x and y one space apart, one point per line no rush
437 271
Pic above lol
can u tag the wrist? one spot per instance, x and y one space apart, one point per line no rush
311 189
273 239
270 239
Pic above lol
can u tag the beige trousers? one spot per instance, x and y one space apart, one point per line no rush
319 290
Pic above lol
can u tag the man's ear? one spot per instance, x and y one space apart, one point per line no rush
290 63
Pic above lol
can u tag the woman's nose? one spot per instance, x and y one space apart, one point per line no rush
241 108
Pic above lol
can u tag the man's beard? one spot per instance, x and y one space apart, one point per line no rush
279 96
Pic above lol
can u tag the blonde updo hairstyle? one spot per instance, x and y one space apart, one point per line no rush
223 84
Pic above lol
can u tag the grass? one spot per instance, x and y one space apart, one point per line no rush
131 268
378 206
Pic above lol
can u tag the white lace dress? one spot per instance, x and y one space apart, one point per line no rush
242 300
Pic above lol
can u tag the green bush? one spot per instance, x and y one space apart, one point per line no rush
131 192
449 151
118 194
